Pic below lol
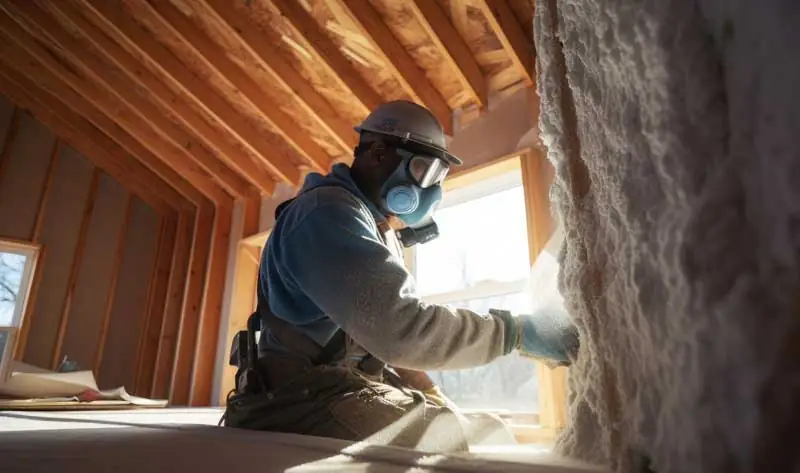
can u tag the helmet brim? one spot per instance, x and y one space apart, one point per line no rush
431 149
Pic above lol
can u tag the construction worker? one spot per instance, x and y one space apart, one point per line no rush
344 337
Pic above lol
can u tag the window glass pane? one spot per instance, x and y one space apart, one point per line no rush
507 383
12 267
481 239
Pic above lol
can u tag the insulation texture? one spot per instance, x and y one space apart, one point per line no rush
678 185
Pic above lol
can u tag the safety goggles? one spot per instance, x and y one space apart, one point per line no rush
425 170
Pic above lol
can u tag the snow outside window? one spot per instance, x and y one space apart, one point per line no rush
480 261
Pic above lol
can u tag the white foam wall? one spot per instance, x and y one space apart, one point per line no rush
681 263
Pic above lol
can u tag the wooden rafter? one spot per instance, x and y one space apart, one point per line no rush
216 59
325 51
90 142
271 59
452 47
124 29
134 77
111 94
515 42
404 68
62 84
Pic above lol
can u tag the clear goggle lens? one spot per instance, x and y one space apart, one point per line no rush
427 170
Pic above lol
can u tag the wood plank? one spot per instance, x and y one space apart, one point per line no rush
245 281
111 102
453 48
515 42
101 340
125 30
89 141
395 55
324 51
147 353
271 59
83 98
172 314
76 265
217 60
205 354
190 317
8 143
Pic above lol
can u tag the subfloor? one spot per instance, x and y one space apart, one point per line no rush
172 440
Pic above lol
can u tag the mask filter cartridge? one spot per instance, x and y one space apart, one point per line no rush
402 199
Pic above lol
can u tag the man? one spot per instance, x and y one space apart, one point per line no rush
345 338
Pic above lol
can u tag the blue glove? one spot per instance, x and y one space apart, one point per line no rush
547 337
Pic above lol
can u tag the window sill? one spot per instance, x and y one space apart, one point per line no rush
534 434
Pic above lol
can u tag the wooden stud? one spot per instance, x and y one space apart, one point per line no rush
515 42
453 48
324 51
55 156
245 281
117 97
205 354
60 83
179 268
89 141
271 59
192 300
216 59
148 350
76 266
112 289
395 55
11 136
124 28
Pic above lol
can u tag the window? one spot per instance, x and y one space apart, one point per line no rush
17 263
481 261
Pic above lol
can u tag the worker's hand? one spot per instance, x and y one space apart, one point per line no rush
549 338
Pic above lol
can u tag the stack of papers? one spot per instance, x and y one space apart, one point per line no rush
29 387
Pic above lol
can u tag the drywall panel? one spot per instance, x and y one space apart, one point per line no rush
96 273
60 230
23 175
118 367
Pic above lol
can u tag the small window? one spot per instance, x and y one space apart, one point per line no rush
17 263
481 262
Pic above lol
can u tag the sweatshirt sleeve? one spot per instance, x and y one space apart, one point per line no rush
334 256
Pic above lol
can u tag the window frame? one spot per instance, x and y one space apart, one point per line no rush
20 320
537 175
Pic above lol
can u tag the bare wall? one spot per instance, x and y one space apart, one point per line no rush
98 244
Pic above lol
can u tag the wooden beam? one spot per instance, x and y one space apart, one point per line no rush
111 93
324 51
192 300
147 353
217 60
179 268
89 141
271 59
81 96
205 353
76 267
55 156
121 26
453 48
515 42
112 289
404 68
245 280
11 136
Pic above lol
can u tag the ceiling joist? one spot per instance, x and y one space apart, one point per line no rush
271 59
515 42
125 30
395 55
216 59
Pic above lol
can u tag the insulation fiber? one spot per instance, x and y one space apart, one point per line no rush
678 186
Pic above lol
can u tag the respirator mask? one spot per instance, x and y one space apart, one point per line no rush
412 193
